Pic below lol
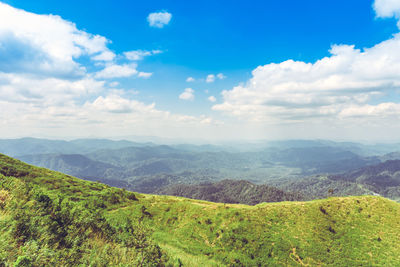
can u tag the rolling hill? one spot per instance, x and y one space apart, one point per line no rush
74 164
231 191
383 178
379 179
47 217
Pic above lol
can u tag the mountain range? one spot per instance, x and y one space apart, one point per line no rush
313 169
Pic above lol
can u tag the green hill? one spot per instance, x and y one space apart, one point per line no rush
48 218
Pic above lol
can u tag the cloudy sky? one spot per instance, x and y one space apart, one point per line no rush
200 70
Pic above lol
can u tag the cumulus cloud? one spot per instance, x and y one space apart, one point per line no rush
159 19
383 109
212 98
188 94
387 9
190 79
111 115
16 88
344 82
116 104
104 56
45 89
117 71
46 44
140 54
210 78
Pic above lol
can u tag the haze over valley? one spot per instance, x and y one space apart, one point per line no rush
311 168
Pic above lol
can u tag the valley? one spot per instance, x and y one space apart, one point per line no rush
313 169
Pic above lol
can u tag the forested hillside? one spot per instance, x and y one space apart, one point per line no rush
48 218
379 179
231 191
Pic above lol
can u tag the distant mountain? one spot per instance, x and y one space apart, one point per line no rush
129 156
379 179
357 148
74 164
319 159
390 156
28 146
96 144
147 167
31 146
383 178
231 191
168 157
151 184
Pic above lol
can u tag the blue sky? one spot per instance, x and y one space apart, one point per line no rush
202 38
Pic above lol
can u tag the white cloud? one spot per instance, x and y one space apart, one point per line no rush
387 9
116 104
190 79
45 90
45 44
188 94
159 19
210 78
117 71
212 98
140 54
17 88
104 56
221 76
346 81
145 75
112 115
383 109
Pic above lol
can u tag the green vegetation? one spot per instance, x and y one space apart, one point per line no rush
48 218
231 191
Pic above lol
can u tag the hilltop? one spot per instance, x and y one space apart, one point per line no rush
47 217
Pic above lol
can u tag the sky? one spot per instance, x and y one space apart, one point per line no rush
204 70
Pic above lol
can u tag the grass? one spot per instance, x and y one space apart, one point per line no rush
339 231
354 231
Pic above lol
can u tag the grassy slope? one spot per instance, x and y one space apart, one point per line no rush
351 231
51 219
